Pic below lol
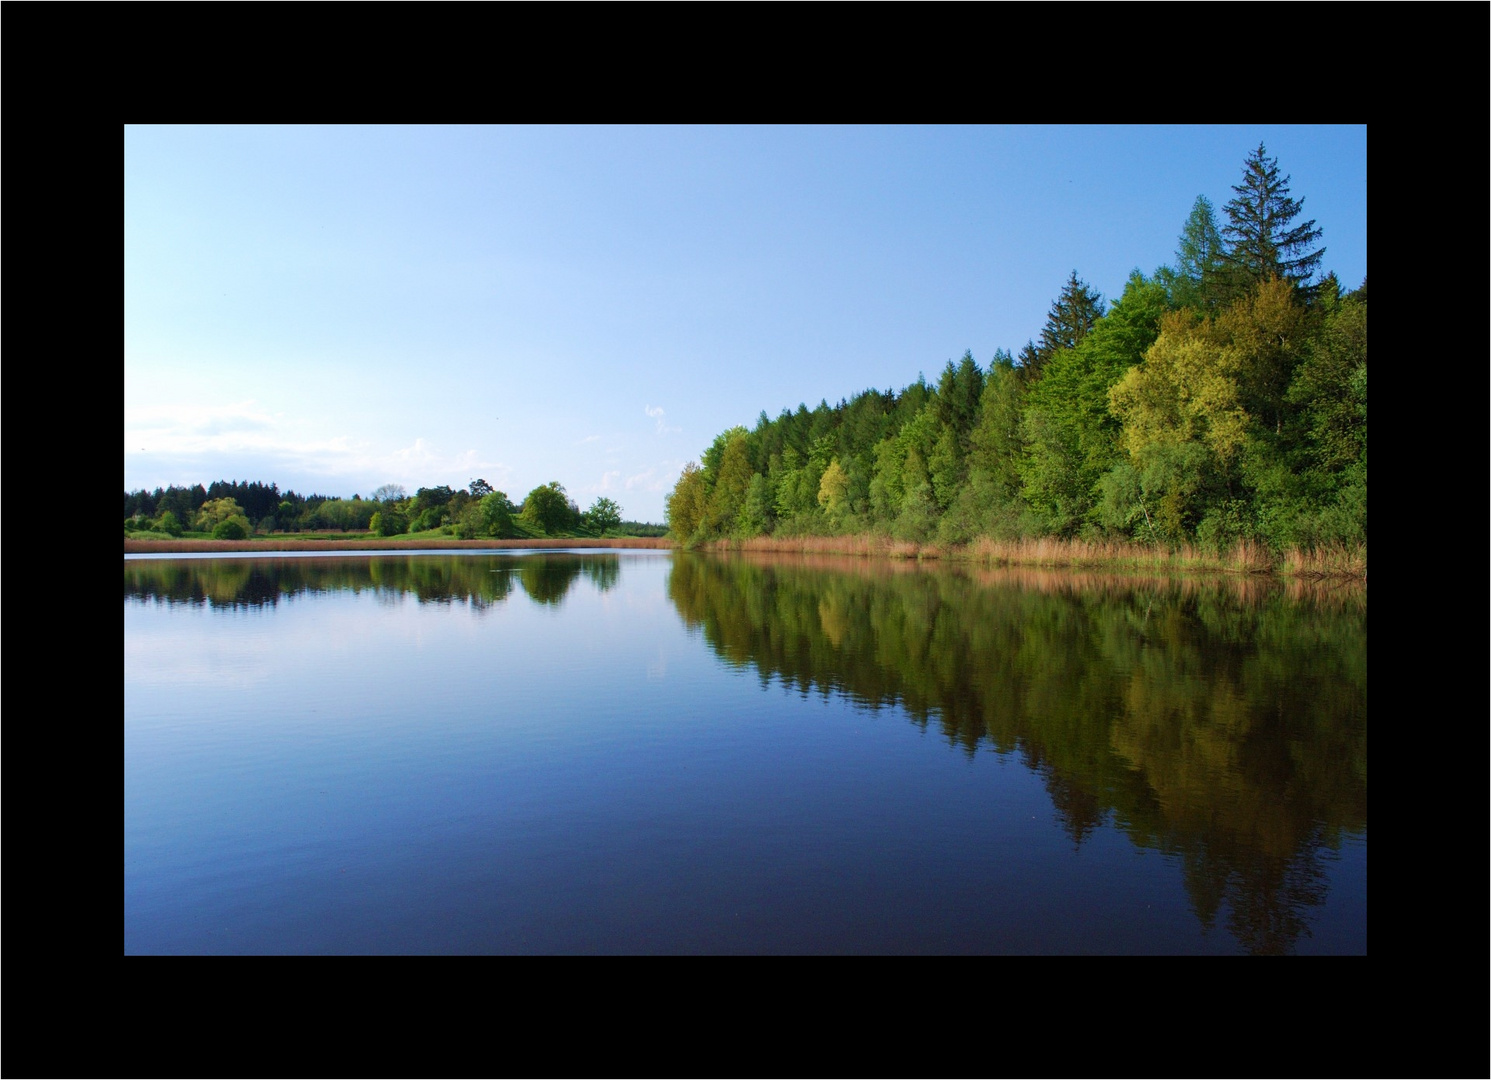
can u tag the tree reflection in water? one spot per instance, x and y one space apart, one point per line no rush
479 580
1222 721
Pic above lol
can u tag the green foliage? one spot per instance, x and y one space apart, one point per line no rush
1073 315
686 504
833 491
995 444
1331 388
945 468
549 509
731 481
755 513
168 524
214 512
388 522
1186 391
232 528
1069 433
342 515
918 511
603 514
1269 329
1199 259
494 514
796 484
886 487
958 393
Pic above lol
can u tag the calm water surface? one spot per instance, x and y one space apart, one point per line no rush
643 752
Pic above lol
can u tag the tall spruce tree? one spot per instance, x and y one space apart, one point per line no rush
1072 315
1261 241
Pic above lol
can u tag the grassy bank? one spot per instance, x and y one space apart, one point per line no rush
1243 558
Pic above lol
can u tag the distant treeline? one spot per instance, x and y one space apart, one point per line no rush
235 510
1218 400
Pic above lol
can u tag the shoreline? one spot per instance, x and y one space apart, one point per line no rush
381 543
1245 559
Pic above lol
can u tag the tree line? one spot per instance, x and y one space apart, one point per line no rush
236 510
1218 399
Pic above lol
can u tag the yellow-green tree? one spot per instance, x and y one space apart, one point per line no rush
1183 427
833 491
1187 390
686 504
214 512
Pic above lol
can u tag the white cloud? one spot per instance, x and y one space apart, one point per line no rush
608 482
663 427
418 452
174 425
183 443
656 478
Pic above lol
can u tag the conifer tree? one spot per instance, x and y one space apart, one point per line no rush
1261 242
1072 315
1198 258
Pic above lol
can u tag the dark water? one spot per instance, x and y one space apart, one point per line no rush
640 752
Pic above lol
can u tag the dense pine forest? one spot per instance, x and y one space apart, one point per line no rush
1218 400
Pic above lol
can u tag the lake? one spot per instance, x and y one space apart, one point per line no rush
653 752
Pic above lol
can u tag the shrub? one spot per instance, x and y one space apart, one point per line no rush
389 523
233 528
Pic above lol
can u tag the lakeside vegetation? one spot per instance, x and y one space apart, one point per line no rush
436 516
148 544
1214 416
1118 556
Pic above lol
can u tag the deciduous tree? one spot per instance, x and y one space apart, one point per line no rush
549 508
833 491
603 514
686 504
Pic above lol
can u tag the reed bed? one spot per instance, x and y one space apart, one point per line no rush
1244 557
1330 560
864 544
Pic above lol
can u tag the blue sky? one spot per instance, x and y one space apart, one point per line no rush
332 309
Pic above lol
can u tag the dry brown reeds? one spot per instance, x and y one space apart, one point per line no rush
862 544
1328 560
1243 557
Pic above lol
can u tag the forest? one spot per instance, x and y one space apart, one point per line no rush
1219 399
237 510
